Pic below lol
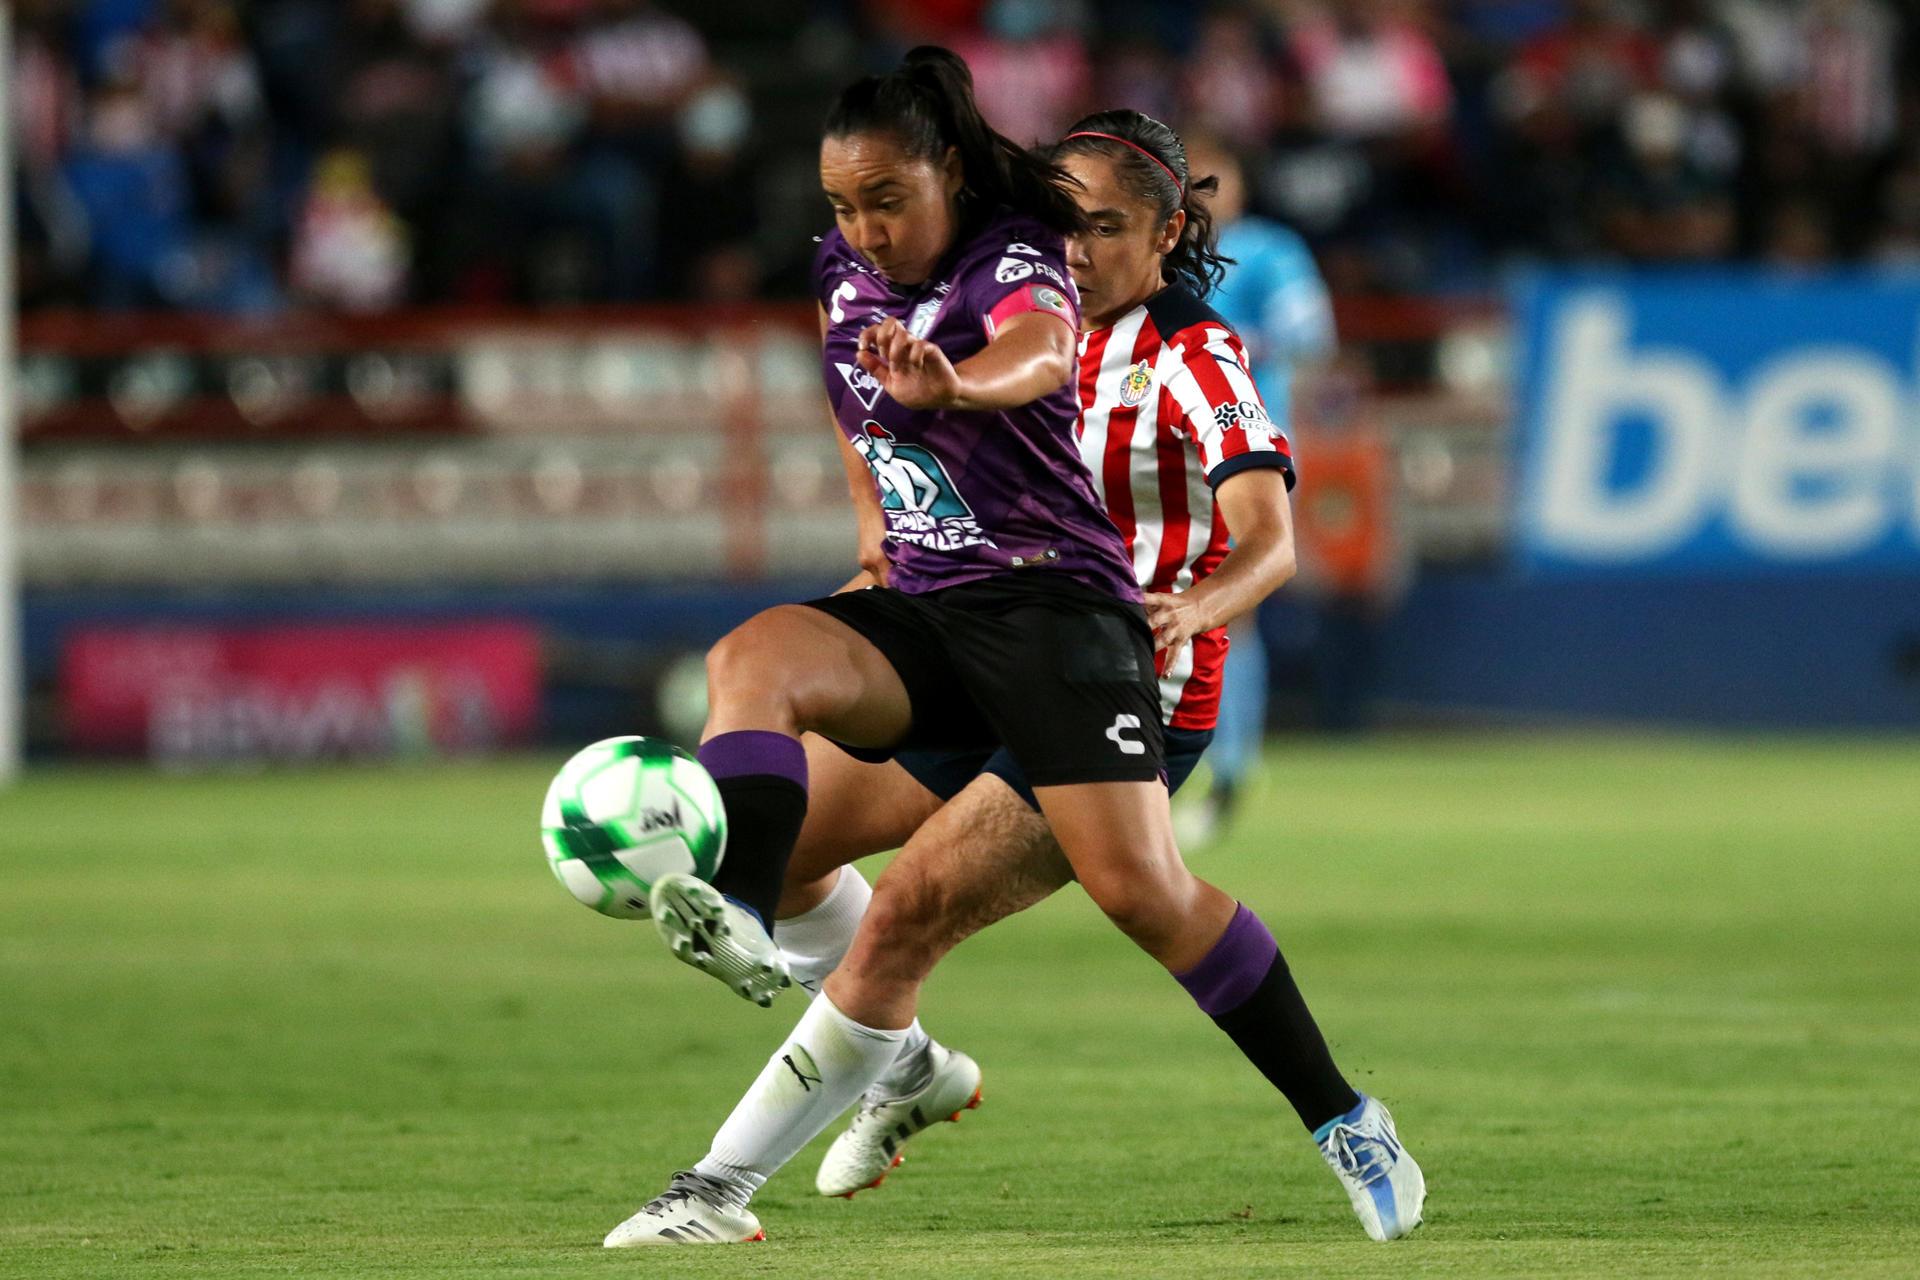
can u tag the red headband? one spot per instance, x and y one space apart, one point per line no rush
1178 185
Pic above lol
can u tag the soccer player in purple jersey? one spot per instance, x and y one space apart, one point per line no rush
1010 612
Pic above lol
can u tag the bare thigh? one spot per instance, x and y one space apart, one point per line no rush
1118 837
983 857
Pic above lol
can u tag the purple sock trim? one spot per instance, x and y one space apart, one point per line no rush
755 751
1228 974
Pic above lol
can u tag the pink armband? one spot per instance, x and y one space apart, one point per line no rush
1031 297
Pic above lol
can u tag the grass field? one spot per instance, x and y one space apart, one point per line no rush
1642 1006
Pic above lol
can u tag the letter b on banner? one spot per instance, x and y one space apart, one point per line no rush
1714 422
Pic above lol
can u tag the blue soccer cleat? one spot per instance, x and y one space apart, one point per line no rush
1385 1185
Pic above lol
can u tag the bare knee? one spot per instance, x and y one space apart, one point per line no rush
746 658
903 932
1150 909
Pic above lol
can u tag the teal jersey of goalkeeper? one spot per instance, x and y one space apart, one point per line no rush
1275 300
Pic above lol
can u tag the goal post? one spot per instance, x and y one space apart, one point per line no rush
12 697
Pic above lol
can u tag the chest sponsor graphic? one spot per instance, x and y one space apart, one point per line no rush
921 503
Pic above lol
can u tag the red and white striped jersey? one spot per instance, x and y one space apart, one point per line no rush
1168 411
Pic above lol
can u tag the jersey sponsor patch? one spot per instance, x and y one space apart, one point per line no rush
863 384
1136 384
1248 415
919 499
1012 269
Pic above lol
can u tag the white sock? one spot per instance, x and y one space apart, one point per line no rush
826 1063
815 941
912 1066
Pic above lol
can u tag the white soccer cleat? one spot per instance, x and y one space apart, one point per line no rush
1385 1185
861 1157
702 928
692 1210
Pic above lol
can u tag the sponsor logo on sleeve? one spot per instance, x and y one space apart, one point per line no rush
864 384
1018 247
1049 273
1012 269
1248 415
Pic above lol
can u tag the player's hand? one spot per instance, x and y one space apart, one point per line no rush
873 557
1175 618
915 372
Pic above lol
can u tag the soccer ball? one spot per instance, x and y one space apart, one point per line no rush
624 812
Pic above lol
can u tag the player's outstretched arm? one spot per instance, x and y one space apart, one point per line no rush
1031 355
1254 504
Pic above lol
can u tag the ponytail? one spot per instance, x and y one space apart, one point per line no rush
927 103
1152 166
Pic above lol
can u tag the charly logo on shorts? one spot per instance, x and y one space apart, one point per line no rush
919 499
1134 387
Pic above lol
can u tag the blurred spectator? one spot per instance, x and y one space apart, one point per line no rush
395 106
146 250
639 66
1580 73
549 220
1371 73
169 152
710 220
1658 201
1230 81
349 251
1030 67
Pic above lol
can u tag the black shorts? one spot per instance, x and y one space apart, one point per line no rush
1059 674
947 773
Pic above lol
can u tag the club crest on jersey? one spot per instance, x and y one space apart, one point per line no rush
864 385
923 317
1134 387
919 499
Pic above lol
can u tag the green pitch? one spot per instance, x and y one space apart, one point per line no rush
1641 1005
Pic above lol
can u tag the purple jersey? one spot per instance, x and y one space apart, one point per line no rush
969 493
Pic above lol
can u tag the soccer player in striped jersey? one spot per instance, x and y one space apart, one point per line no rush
1180 450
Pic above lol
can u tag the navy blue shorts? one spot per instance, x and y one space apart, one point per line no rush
947 773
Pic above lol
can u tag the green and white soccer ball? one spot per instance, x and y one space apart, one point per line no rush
626 811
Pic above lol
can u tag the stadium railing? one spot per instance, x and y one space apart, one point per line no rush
512 446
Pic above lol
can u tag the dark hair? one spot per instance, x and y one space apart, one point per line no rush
927 103
1152 165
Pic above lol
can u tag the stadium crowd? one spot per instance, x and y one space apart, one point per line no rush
362 154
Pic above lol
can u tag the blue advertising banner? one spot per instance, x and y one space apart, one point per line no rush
1717 422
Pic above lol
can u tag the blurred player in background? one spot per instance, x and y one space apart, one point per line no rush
1276 301
1180 448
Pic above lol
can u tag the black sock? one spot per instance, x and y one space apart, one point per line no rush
762 779
764 813
1279 1036
1244 985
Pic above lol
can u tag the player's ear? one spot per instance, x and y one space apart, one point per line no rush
1171 233
953 175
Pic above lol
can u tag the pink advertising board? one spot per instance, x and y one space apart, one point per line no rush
300 691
